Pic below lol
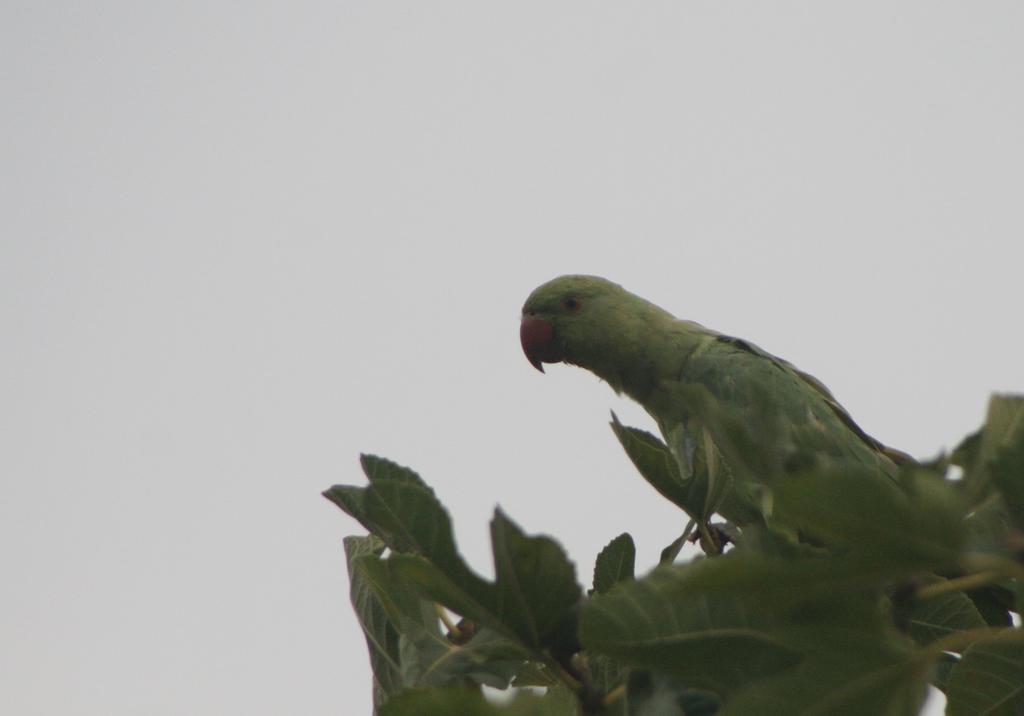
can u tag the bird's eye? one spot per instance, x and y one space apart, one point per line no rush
571 304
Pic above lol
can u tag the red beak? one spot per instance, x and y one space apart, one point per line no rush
538 339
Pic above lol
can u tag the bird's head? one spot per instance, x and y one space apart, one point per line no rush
570 319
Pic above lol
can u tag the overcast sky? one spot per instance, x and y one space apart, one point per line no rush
242 242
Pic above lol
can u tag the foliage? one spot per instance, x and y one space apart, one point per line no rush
886 587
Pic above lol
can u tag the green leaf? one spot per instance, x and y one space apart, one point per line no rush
966 453
671 551
918 526
353 499
535 673
382 636
606 674
776 544
930 619
532 598
655 463
375 468
994 602
847 674
404 512
714 642
942 669
488 658
1008 473
776 585
736 437
350 500
477 604
536 583
415 651
989 680
988 526
432 701
535 589
1007 468
853 663
1003 429
615 563
809 629
411 519
465 702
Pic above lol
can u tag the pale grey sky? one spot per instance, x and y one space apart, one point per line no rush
242 242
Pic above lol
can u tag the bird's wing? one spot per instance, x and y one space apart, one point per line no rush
897 456
788 412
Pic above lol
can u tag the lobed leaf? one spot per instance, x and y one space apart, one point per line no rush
994 602
376 467
531 599
930 619
403 511
714 642
989 679
773 626
382 635
615 563
488 658
1003 429
535 582
988 526
918 526
835 684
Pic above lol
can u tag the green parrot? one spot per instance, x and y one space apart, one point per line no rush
734 417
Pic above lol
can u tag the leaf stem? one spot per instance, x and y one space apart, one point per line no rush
614 695
453 629
994 563
969 581
962 639
709 541
571 681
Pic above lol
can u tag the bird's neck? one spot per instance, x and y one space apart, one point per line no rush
650 347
